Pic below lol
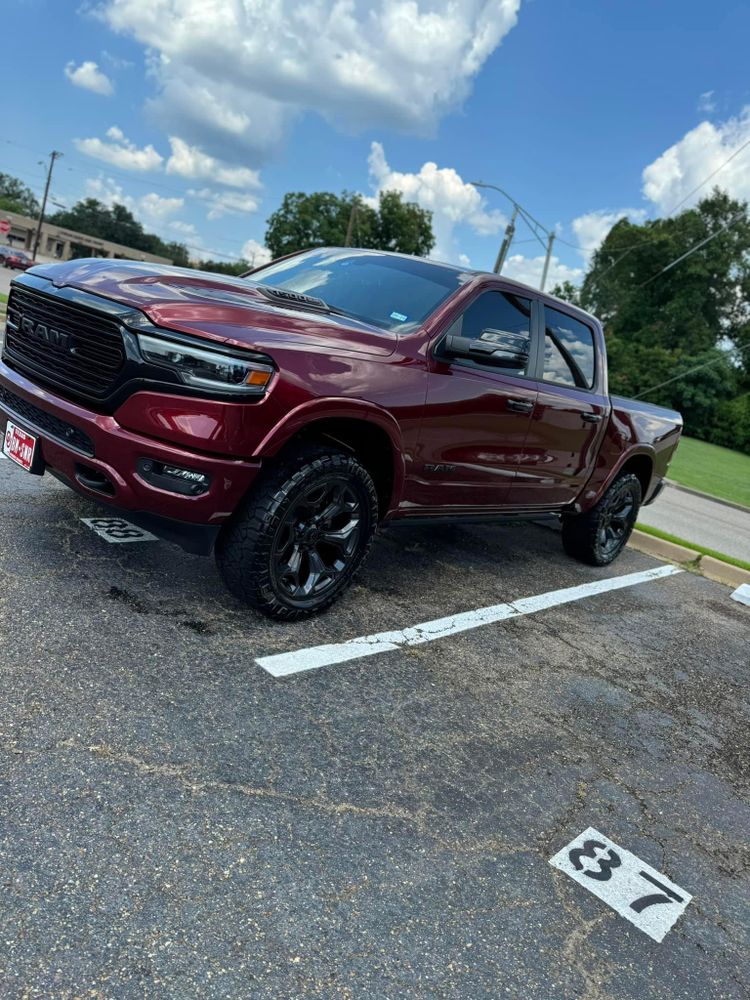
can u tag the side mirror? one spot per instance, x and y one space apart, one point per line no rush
493 347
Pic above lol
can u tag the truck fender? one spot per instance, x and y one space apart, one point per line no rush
597 487
314 410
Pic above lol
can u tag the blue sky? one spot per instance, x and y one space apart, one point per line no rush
200 114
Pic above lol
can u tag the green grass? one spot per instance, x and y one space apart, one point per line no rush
3 298
698 549
711 469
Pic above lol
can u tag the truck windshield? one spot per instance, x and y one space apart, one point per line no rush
389 291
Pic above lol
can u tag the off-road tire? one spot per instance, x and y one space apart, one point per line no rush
585 536
246 549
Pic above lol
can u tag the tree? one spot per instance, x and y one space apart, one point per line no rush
16 197
662 324
568 292
233 267
402 226
692 306
321 219
118 224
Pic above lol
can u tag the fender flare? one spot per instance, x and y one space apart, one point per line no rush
648 451
343 409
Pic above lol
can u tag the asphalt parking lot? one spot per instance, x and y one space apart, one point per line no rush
177 822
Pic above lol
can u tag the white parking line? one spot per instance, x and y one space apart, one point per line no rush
283 664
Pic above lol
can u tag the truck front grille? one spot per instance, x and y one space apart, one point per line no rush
70 347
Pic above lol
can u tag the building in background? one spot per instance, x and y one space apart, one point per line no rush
65 244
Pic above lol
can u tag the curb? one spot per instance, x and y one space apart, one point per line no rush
723 572
707 496
714 569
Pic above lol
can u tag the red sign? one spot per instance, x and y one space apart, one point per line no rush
4 225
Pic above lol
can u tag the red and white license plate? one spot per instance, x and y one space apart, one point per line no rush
19 446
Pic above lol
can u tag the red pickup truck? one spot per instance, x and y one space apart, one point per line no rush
279 418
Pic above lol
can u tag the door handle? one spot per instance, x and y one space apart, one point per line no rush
591 418
520 405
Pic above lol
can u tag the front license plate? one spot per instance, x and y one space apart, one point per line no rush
19 446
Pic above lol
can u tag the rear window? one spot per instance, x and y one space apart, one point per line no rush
569 357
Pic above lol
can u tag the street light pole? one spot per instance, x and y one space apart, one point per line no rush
550 241
507 239
52 157
534 225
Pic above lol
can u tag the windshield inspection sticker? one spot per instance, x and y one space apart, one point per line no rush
632 888
399 316
116 530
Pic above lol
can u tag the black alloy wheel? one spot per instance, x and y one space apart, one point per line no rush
598 536
615 523
317 539
302 534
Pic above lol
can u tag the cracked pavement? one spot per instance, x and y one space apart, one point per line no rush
177 823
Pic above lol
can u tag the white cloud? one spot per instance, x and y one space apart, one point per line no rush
706 102
702 150
529 270
151 209
225 202
120 152
592 228
90 77
361 63
441 190
256 253
190 161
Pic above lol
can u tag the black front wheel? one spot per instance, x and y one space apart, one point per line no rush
598 536
302 534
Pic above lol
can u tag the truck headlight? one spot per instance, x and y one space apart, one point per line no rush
208 369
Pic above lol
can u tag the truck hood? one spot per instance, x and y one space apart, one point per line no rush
217 307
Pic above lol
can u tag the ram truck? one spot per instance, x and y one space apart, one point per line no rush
279 418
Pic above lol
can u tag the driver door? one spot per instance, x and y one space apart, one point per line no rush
477 413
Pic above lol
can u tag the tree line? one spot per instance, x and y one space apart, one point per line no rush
679 337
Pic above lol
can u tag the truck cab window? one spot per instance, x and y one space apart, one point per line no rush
493 316
568 350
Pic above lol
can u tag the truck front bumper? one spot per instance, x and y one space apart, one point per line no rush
99 458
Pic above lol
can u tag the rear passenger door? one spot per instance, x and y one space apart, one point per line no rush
569 416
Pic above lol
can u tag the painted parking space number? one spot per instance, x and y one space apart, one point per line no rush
117 530
632 888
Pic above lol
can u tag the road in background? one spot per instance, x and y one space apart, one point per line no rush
700 520
178 823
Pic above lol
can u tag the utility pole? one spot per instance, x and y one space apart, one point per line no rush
550 241
52 157
507 239
350 227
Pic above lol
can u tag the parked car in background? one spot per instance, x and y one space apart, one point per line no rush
281 417
18 260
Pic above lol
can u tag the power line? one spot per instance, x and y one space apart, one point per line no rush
712 174
674 209
128 177
595 246
693 249
676 378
